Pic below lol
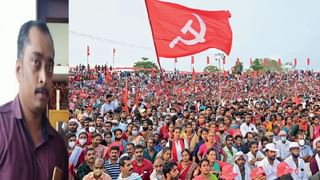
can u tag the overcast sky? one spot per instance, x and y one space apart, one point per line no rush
285 29
13 14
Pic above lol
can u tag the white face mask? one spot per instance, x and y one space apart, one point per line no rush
82 141
92 129
283 139
72 144
129 121
301 142
134 133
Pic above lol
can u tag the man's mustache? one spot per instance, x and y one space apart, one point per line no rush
42 90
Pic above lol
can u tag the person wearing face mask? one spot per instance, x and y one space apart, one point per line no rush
283 146
97 173
77 155
92 127
305 150
136 137
296 163
71 143
118 140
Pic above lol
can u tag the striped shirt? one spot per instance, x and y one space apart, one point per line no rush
112 169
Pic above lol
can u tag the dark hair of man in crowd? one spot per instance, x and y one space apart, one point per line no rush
123 159
23 37
167 167
94 135
115 148
252 143
138 146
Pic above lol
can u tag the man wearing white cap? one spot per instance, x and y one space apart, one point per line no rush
270 163
296 163
241 166
283 146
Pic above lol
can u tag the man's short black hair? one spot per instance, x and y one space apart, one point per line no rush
23 37
116 148
138 146
252 143
123 159
167 167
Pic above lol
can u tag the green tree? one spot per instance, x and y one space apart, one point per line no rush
211 68
237 68
145 63
256 65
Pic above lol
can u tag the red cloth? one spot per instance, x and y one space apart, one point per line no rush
145 170
164 132
174 149
169 21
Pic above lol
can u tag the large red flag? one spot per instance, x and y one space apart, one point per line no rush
182 31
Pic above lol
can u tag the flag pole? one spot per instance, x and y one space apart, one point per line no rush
113 58
155 46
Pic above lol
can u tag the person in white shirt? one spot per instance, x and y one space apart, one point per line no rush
270 163
283 146
254 155
241 166
296 163
247 126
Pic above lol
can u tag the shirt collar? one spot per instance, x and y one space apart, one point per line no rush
45 125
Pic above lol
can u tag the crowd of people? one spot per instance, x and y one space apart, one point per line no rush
133 125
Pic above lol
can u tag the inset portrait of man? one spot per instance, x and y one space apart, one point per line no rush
28 143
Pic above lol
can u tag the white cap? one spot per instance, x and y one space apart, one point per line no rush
282 133
73 120
271 147
293 145
239 154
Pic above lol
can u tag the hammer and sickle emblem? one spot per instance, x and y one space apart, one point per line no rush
198 36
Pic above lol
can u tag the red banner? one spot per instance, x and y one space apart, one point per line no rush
182 31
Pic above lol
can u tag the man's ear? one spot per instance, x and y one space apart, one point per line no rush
19 70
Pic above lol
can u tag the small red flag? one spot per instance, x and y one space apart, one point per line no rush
279 61
265 62
193 74
192 59
238 61
225 74
137 97
255 75
308 61
187 31
250 62
208 60
175 60
224 60
126 98
108 75
152 73
88 51
114 51
295 62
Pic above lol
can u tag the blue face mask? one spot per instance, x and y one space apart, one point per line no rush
234 126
